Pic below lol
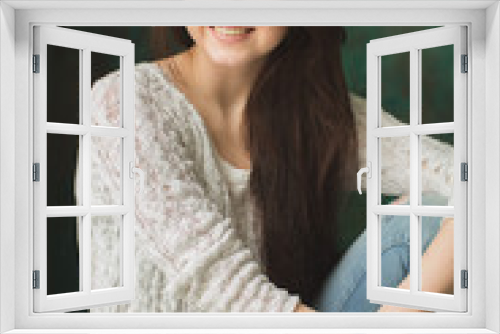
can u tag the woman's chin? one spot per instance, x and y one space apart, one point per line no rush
229 60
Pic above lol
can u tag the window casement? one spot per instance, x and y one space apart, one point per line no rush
482 105
417 137
88 212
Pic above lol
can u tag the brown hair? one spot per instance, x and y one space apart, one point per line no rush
301 136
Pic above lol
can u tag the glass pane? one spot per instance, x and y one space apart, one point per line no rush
430 282
63 255
437 84
63 84
106 252
395 250
395 170
395 88
63 174
437 169
110 114
106 171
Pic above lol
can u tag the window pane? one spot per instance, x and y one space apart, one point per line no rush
437 84
437 169
63 255
430 229
395 87
102 65
63 174
106 252
395 250
63 85
394 169
106 171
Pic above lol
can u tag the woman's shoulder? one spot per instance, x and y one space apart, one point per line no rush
155 93
149 79
358 103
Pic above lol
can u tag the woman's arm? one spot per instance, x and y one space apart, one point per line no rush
183 231
437 158
436 164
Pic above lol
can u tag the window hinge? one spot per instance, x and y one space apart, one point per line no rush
36 63
465 279
464 172
36 279
36 171
465 64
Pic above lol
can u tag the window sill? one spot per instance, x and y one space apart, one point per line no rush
250 331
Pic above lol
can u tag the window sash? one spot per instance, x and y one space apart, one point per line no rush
85 43
412 43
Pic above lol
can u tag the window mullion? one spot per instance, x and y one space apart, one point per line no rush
85 273
419 210
414 169
83 104
128 156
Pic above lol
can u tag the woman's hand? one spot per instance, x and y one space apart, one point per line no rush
303 308
400 200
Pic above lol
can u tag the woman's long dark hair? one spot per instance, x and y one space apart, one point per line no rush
301 135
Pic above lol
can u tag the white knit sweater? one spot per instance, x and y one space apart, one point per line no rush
197 239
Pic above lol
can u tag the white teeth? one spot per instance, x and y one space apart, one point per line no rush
231 31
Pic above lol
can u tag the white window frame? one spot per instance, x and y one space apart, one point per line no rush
483 21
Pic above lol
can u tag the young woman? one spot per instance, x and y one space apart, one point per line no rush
249 140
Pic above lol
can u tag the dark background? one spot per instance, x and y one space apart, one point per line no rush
63 106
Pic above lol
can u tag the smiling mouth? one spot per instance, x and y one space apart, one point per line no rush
232 31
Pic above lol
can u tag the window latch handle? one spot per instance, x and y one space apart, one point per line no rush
132 170
368 171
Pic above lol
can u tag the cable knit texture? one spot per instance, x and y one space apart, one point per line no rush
197 237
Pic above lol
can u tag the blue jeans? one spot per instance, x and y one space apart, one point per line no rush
345 289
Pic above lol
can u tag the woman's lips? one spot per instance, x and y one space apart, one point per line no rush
231 34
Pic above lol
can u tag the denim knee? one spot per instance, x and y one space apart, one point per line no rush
345 289
395 246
